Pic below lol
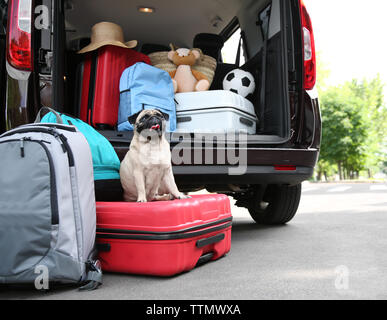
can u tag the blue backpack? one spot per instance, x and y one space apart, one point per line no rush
106 164
145 87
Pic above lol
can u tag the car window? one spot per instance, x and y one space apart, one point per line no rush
230 49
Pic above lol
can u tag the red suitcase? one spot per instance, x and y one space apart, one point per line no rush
163 238
100 80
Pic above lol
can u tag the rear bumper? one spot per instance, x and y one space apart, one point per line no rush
259 168
254 175
201 166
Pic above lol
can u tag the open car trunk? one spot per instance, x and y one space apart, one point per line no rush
178 22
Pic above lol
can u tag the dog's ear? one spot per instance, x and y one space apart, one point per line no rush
132 119
165 115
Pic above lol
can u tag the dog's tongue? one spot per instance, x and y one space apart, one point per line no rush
156 127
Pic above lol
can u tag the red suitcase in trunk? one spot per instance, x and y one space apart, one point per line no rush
163 238
100 83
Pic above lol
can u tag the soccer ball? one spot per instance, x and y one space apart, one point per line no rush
240 82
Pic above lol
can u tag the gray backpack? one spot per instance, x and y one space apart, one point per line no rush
47 206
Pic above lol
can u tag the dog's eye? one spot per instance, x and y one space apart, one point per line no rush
145 117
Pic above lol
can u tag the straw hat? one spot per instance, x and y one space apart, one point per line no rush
107 33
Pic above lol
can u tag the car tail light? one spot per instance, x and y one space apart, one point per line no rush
309 49
19 50
285 168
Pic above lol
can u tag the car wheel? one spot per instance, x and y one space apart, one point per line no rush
278 206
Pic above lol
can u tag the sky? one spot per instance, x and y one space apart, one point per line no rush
351 36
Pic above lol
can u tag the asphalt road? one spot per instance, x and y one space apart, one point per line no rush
335 248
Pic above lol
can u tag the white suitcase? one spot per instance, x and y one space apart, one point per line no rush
217 111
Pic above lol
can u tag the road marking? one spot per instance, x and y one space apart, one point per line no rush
378 188
309 189
339 189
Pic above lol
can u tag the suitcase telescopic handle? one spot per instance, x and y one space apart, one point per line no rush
211 240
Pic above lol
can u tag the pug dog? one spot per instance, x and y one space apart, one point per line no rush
146 171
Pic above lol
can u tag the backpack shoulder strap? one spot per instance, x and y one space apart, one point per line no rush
93 277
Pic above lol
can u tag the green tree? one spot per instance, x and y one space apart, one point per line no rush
354 118
344 130
371 92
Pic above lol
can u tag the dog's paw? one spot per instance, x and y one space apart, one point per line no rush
141 201
183 196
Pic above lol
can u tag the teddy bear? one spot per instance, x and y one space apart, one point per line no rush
186 79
